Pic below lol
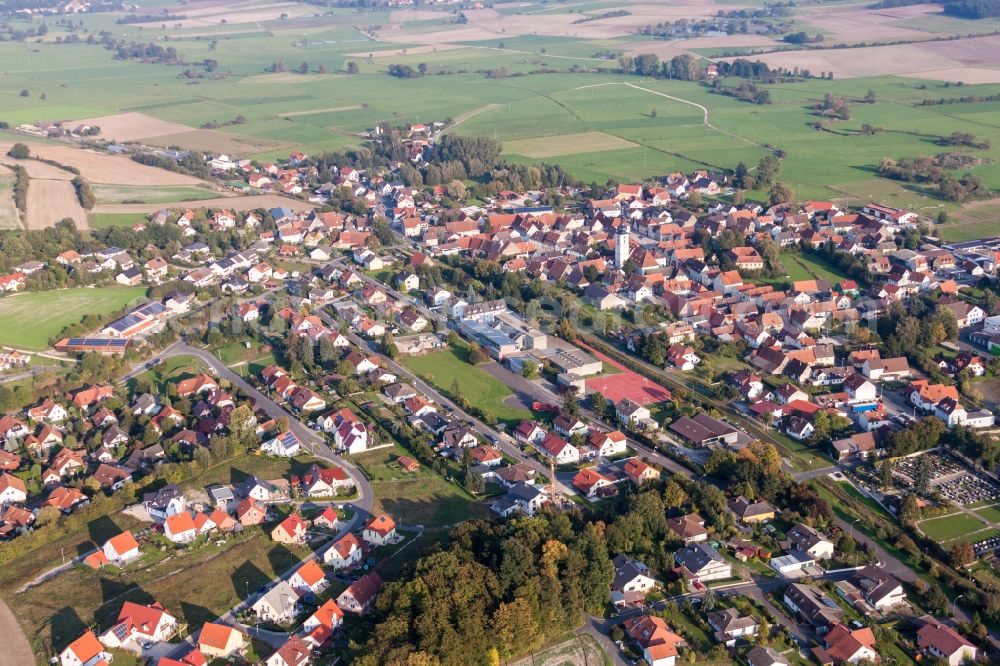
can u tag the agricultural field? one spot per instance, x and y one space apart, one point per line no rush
9 216
562 99
29 320
444 368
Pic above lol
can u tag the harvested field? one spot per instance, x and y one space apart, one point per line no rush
215 141
99 167
52 200
38 169
132 126
9 216
232 203
855 23
669 48
974 55
213 16
567 144
963 74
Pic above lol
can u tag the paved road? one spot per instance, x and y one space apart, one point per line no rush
311 441
502 441
16 649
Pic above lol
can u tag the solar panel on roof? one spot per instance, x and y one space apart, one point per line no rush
96 342
120 631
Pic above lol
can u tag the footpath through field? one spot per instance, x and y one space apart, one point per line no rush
704 110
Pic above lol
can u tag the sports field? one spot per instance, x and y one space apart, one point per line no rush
479 388
29 320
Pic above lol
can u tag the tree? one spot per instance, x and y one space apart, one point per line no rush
25 93
243 426
962 554
529 370
304 68
846 544
780 193
19 151
476 354
674 496
570 401
885 474
599 403
652 113
352 67
922 475
909 511
389 347
870 96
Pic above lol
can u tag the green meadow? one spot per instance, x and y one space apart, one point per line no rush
29 320
324 111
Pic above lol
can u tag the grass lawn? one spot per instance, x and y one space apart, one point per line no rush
807 267
195 586
49 312
172 369
991 514
415 498
104 220
950 527
444 368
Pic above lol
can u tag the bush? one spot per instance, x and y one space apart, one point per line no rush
19 151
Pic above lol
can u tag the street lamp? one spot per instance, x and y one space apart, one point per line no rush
954 604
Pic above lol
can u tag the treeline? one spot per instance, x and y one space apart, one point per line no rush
150 18
852 265
964 139
748 91
147 53
935 170
189 164
968 9
605 15
407 72
452 158
500 590
84 193
920 436
973 9
21 188
966 99
803 38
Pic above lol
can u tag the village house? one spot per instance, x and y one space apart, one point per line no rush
138 624
360 595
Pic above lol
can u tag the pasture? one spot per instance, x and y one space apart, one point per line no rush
29 320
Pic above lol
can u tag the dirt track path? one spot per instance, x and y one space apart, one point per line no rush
16 650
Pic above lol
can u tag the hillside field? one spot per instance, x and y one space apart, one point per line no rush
29 320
